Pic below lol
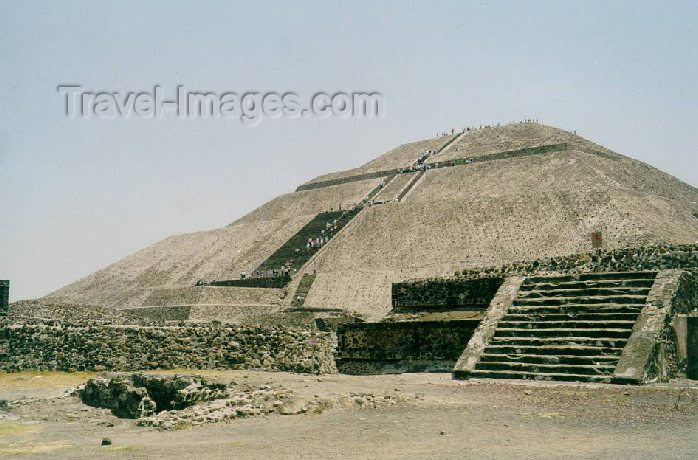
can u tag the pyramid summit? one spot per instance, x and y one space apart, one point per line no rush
478 198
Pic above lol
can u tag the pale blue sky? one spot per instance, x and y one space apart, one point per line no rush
78 194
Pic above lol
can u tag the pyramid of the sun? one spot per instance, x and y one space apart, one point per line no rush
495 208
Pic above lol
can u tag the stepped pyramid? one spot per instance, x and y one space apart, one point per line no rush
486 197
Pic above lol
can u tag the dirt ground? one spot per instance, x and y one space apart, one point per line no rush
410 416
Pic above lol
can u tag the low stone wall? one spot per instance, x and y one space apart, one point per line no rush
54 345
213 295
612 260
424 346
651 353
165 313
498 308
445 294
50 309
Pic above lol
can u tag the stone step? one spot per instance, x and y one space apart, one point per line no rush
589 360
587 292
588 284
593 277
571 316
563 332
583 369
553 350
583 300
603 342
522 375
577 308
566 324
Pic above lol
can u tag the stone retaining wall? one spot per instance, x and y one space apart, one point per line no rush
485 331
651 353
164 313
445 294
423 346
612 260
54 345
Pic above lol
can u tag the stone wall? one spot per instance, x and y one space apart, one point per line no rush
54 345
213 295
4 296
651 353
616 260
445 294
487 328
425 346
160 314
52 309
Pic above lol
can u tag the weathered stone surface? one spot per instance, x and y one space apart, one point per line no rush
55 310
444 294
420 346
616 260
651 351
499 306
140 395
55 345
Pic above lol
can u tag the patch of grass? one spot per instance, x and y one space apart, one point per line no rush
15 429
42 379
695 214
125 448
29 448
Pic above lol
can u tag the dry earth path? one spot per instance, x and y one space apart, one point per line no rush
424 416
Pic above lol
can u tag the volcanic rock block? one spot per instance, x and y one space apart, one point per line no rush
118 394
140 395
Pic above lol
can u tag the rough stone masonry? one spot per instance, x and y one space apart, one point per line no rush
90 346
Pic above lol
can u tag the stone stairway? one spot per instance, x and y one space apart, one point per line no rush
295 253
304 286
392 188
568 328
403 193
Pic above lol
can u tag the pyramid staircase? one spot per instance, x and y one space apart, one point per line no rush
303 289
567 328
410 185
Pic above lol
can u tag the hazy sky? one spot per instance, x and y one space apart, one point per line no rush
78 194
